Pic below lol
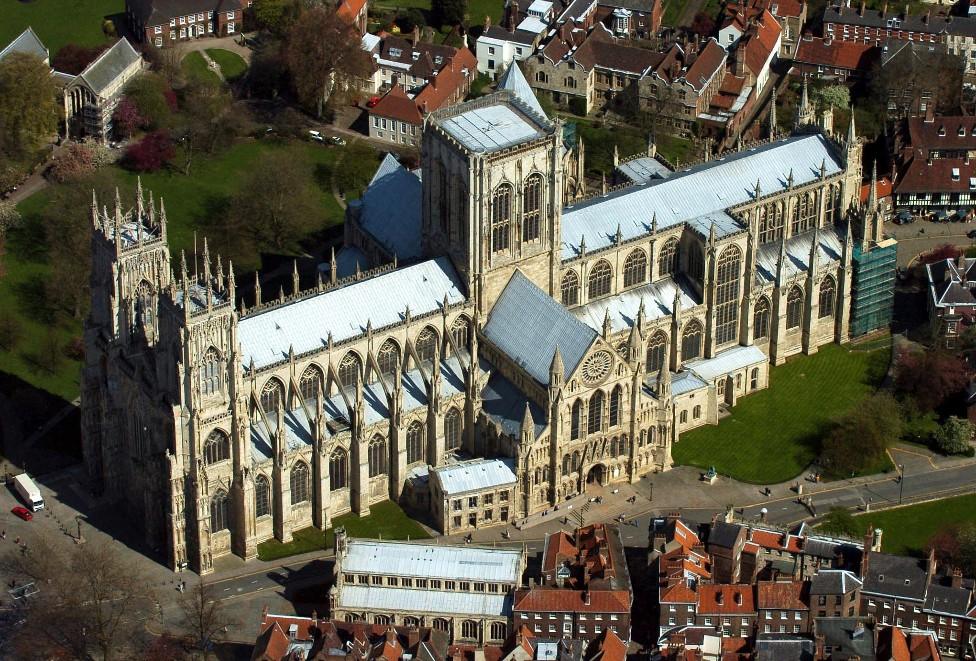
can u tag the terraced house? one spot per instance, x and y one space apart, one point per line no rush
166 22
486 319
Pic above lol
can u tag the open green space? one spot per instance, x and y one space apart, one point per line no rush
477 9
231 64
58 22
908 529
195 67
600 139
385 521
773 435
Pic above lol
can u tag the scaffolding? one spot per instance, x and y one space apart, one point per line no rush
873 287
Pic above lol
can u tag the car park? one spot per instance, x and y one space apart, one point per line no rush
316 136
22 512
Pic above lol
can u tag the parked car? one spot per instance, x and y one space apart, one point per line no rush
316 136
336 140
373 100
22 512
971 234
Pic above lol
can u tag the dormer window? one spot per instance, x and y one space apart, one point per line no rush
942 131
415 55
962 131
880 578
395 52
438 59
972 183
955 174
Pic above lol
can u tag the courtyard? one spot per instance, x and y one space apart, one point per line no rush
774 435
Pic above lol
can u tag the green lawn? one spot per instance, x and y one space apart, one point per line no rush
908 529
477 9
773 435
600 140
385 521
194 66
58 22
231 64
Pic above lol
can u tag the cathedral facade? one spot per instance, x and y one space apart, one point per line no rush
485 317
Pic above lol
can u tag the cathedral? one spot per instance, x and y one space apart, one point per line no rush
481 307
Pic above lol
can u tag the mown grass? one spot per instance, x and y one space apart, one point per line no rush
385 521
58 22
231 64
773 435
195 67
908 529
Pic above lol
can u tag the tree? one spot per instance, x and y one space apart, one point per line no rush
91 598
279 201
28 111
204 616
153 99
73 58
275 16
448 12
914 72
955 545
410 19
73 161
127 118
860 438
152 153
954 436
930 377
832 96
10 331
268 73
703 24
9 216
355 169
940 253
207 121
839 521
323 54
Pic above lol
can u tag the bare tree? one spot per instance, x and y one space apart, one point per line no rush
203 616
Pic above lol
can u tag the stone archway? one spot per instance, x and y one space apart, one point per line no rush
596 476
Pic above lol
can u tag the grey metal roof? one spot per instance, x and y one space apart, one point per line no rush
107 67
896 576
831 249
949 285
426 560
696 192
474 475
504 404
833 581
527 325
391 209
726 362
645 168
514 81
658 298
490 128
375 598
26 42
305 324
685 382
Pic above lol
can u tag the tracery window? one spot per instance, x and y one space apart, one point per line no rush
416 450
696 263
262 496
501 218
444 197
388 358
570 289
426 344
499 630
806 213
459 331
210 372
144 307
377 456
310 385
299 483
635 268
656 350
350 368
594 421
832 204
600 280
827 293
794 308
216 448
691 341
575 428
760 319
727 295
532 209
452 429
666 260
338 469
469 629
272 397
219 512
770 222
616 398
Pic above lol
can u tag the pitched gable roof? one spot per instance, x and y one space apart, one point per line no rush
514 80
107 67
26 42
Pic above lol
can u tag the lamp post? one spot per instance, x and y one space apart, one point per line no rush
901 482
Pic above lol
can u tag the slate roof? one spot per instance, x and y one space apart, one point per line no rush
896 576
26 42
391 209
948 283
833 581
504 404
874 18
528 325
947 599
658 299
474 475
838 633
830 249
723 534
696 192
785 647
107 67
156 12
501 34
942 132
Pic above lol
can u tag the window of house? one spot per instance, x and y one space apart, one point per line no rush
230 28
158 41
230 16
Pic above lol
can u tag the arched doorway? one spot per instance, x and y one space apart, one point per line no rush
596 476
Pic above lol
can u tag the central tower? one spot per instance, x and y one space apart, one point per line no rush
492 178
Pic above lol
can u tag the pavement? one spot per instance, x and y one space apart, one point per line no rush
924 235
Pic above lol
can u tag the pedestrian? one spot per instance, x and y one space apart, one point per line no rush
17 541
3 534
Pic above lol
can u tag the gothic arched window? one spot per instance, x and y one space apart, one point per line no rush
600 280
299 483
594 422
416 450
567 465
656 350
144 306
501 218
532 209
498 630
469 629
262 496
570 288
794 308
691 341
616 399
216 448
377 456
576 425
219 512
452 429
727 295
696 263
350 369
444 198
827 292
459 332
210 372
667 257
272 398
807 212
760 319
310 384
440 624
832 205
635 268
388 358
338 470
426 344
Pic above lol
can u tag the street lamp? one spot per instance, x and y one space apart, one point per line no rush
901 482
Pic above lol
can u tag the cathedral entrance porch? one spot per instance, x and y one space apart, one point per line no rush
596 477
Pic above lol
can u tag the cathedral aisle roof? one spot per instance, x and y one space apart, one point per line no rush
428 560
696 192
391 209
382 598
527 325
504 404
685 382
798 253
726 362
658 298
644 169
305 324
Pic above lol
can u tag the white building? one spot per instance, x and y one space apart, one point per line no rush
497 48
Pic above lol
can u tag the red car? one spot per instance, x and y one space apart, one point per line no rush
373 100
23 513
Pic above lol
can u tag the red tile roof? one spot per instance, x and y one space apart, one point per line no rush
722 599
678 593
706 65
784 595
395 104
836 53
924 135
444 87
761 42
350 9
609 647
920 177
271 645
545 599
882 190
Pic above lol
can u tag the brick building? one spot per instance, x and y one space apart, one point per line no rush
165 22
784 607
834 59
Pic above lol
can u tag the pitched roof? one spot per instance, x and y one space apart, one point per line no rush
271 645
896 576
390 209
474 475
942 132
608 646
559 600
784 595
882 189
528 325
26 42
722 599
601 53
761 42
834 581
946 175
514 80
155 12
395 104
836 53
446 82
350 9
949 283
107 67
710 61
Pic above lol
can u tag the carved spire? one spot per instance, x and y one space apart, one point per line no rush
162 219
873 192
758 190
616 155
814 257
664 381
232 285
823 168
772 116
641 314
711 237
281 294
294 277
619 238
781 265
527 429
257 289
140 202
582 244
152 211
634 343
333 273
676 303
94 210
183 271
654 223
851 130
607 326
556 369
789 179
220 274
603 186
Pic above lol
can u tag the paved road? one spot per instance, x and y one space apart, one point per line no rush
923 235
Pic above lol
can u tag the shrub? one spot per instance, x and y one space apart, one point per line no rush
577 106
954 436
75 349
73 161
72 58
152 153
